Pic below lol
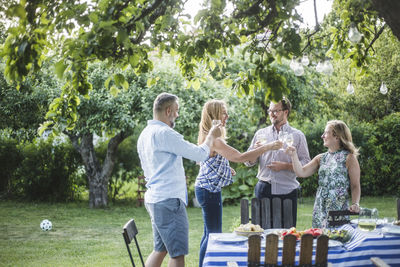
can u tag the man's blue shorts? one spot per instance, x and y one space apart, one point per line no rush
170 226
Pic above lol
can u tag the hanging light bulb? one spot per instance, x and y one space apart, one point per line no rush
350 88
354 34
327 67
293 64
320 67
305 61
299 70
383 89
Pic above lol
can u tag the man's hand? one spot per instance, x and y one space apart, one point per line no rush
277 166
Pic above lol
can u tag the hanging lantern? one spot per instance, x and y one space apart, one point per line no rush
320 67
350 88
383 89
327 67
354 34
305 61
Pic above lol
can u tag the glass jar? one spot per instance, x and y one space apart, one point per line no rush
367 219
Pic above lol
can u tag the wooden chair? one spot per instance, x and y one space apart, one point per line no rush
141 182
268 213
339 217
129 234
289 251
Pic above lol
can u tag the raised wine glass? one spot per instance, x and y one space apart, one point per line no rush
289 139
216 122
282 137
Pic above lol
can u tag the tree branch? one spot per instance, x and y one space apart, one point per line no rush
373 40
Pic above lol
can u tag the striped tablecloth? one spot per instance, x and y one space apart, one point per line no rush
357 252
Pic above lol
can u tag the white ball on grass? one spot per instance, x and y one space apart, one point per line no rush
46 225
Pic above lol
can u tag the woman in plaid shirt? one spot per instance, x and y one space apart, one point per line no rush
215 172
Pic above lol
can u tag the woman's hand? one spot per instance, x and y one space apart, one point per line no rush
290 150
233 171
275 145
355 207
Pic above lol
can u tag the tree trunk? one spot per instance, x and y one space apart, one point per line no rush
389 10
98 176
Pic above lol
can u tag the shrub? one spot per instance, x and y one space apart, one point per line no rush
47 172
10 156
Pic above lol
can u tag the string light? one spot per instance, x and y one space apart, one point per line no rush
383 89
354 34
350 88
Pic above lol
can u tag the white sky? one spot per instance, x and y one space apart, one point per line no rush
305 9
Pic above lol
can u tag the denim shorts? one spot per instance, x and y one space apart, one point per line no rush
170 226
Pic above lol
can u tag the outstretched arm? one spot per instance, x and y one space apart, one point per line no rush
303 171
232 154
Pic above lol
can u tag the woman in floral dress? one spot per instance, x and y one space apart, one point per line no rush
338 170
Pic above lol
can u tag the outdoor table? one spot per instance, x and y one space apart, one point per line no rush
356 252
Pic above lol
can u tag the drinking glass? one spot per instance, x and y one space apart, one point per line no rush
282 137
367 219
262 139
289 139
216 122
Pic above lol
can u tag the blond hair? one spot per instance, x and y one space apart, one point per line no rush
212 110
341 131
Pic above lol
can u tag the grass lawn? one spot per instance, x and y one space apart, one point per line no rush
87 237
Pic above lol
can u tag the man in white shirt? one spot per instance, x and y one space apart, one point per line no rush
161 150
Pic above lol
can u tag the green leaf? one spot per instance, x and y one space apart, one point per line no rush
22 47
151 82
122 36
196 84
107 83
212 65
94 17
60 68
134 60
119 79
114 91
228 83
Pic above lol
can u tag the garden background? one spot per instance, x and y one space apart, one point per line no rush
77 85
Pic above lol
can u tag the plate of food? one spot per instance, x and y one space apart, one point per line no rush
315 232
249 229
338 235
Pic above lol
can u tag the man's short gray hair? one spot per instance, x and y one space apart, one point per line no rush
163 101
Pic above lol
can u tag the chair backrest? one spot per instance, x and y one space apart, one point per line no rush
141 183
268 213
339 217
129 234
289 250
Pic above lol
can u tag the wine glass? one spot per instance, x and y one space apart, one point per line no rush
289 139
282 137
216 122
262 139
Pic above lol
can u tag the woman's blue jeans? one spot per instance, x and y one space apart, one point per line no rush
211 205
